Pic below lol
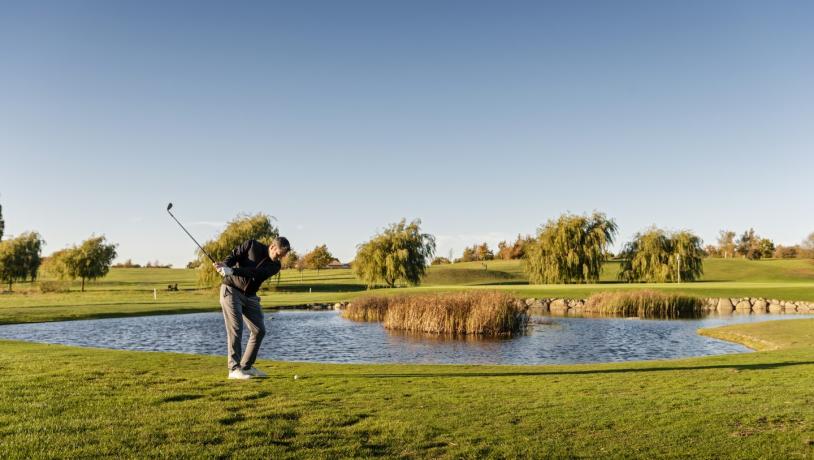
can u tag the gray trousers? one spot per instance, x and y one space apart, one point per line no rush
237 306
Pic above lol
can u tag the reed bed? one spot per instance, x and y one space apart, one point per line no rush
370 308
645 304
484 313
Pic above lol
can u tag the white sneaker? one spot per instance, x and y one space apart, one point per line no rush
239 374
255 372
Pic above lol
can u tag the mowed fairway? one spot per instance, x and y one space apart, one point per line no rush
126 292
58 402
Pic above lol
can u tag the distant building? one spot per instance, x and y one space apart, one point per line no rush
337 264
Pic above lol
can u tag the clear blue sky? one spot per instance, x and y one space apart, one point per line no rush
483 120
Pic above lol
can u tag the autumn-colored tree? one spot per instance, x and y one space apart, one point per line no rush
726 244
318 258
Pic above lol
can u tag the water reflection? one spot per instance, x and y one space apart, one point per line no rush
324 336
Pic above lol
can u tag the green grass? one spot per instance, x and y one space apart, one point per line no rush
58 401
130 291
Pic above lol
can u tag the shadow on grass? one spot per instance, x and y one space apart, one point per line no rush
737 367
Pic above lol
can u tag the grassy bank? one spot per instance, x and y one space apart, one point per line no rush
58 401
130 291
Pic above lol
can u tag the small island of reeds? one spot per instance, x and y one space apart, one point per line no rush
483 313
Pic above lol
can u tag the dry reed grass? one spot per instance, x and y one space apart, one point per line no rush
645 304
485 313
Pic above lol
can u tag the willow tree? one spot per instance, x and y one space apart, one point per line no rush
88 261
20 258
400 253
570 249
656 256
241 228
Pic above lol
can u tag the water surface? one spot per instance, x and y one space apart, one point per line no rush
323 336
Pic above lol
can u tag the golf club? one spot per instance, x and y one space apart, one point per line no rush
169 206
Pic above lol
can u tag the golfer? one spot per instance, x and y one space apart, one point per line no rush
244 271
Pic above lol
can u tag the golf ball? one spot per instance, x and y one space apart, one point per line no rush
296 377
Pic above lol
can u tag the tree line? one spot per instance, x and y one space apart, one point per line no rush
754 247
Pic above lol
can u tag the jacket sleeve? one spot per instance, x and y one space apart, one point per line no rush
237 253
265 271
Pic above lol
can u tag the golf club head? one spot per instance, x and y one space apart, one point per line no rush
169 206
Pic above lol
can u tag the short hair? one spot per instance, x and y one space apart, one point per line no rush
282 243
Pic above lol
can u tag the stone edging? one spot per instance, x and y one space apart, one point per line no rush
722 305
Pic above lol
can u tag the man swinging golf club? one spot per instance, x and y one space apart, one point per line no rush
244 271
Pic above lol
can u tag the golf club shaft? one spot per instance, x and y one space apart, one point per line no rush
193 238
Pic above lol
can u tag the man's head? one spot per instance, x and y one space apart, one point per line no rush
279 248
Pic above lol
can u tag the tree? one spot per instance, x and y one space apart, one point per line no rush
478 252
300 265
656 256
712 251
482 252
400 253
193 264
753 247
89 261
241 228
786 252
290 260
468 255
54 265
2 223
318 258
766 248
31 252
440 261
571 249
20 258
807 247
726 243
504 251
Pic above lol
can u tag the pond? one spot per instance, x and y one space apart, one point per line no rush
324 336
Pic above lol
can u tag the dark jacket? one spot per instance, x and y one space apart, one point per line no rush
251 266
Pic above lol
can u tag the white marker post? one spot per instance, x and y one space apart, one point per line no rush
678 267
155 294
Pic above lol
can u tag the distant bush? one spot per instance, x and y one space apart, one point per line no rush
127 264
478 252
486 313
645 304
440 261
157 264
193 264
753 247
786 252
514 251
54 286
